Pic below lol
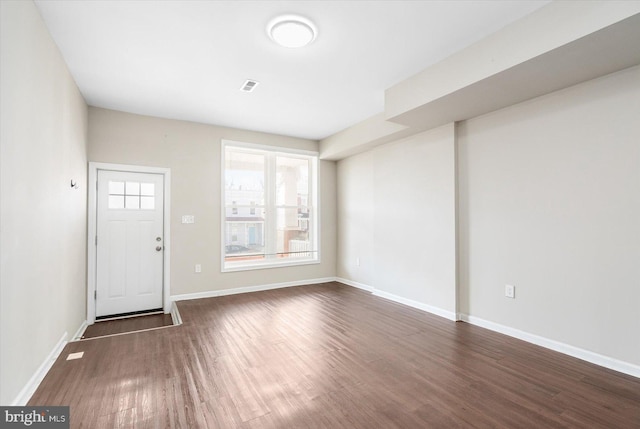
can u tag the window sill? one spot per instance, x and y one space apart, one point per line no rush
233 267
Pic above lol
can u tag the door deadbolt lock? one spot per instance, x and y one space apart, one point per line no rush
158 248
158 238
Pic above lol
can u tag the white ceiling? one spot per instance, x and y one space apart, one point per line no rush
187 59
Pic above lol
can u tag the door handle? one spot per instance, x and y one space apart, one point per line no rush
158 248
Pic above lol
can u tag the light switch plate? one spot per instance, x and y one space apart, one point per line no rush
188 219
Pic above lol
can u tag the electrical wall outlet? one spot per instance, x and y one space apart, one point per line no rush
510 291
198 268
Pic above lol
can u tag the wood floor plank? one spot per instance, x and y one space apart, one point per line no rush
329 356
132 324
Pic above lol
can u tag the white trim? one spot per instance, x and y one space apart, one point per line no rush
29 389
451 315
315 216
586 355
166 303
119 334
355 284
175 314
595 358
395 298
268 265
132 316
283 150
78 335
175 318
91 226
247 289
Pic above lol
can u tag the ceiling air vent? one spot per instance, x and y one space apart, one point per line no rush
249 85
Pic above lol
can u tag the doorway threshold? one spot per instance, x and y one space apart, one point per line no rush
129 315
132 323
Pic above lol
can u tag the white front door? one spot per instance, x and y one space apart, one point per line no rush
130 242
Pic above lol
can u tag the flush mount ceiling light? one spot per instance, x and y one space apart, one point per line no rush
291 31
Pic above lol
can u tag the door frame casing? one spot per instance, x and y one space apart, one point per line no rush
92 221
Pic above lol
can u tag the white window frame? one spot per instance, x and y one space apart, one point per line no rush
313 203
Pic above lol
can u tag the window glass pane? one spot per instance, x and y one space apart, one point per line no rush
293 240
133 188
116 201
116 188
292 181
269 207
244 241
147 203
250 213
132 202
244 177
147 189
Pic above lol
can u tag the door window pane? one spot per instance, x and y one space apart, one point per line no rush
147 203
131 195
133 188
132 202
116 188
147 189
116 201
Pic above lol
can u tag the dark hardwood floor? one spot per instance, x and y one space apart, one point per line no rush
330 356
132 324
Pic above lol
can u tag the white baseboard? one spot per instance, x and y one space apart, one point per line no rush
451 315
586 355
595 358
175 314
355 284
395 298
247 289
29 389
78 335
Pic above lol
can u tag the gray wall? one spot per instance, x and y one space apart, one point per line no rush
192 151
43 120
396 217
548 200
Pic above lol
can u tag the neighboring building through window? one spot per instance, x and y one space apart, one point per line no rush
269 198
